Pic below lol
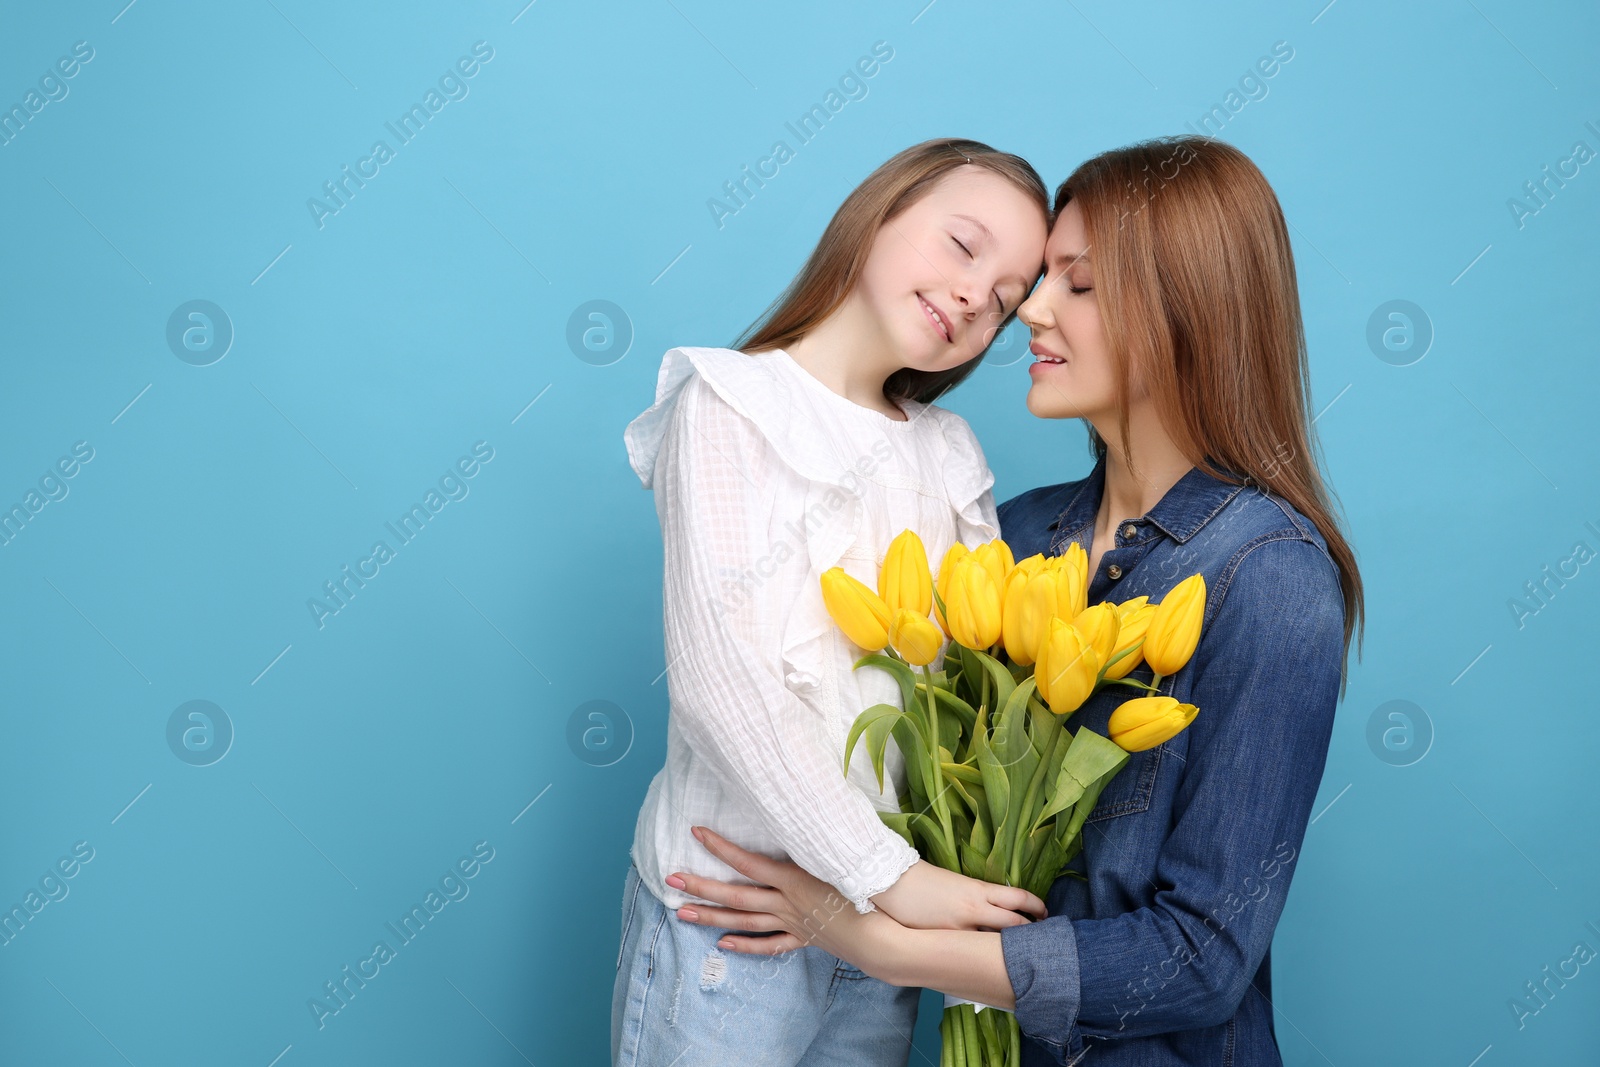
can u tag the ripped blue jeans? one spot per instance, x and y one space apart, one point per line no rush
679 1000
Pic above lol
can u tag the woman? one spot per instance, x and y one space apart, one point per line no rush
1168 319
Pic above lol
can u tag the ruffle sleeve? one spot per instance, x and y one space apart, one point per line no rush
788 418
967 478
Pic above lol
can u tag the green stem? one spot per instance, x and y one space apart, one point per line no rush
1035 783
987 1035
941 803
985 701
970 1033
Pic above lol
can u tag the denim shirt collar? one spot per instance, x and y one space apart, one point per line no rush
1180 514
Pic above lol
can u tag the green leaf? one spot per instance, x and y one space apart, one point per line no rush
981 836
1091 763
964 772
996 786
1089 759
1012 750
1045 726
1046 770
933 846
972 859
875 723
1086 803
950 701
971 797
995 867
949 722
899 821
999 677
1046 866
908 735
1024 784
1010 741
1031 848
901 671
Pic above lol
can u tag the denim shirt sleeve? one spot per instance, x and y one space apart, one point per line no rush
1266 679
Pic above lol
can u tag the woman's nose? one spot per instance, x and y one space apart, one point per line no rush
1032 313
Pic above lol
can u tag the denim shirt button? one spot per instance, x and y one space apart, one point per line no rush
1130 530
1115 571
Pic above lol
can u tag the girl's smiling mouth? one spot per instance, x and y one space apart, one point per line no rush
937 317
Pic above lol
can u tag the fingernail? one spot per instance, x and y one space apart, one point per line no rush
725 943
695 830
689 915
676 882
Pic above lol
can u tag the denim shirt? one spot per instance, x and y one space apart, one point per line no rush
1163 955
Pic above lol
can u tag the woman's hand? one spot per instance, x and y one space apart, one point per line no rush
808 910
927 897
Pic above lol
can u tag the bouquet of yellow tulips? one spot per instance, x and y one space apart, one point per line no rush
997 787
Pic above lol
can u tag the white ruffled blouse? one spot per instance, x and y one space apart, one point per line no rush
764 478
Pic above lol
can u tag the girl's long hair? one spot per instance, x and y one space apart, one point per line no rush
1192 263
835 264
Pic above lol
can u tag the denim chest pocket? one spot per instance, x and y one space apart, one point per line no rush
1130 791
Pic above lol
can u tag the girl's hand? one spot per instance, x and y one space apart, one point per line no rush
807 909
929 897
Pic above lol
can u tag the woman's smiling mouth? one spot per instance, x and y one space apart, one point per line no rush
936 317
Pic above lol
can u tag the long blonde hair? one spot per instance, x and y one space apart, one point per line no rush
835 264
1192 263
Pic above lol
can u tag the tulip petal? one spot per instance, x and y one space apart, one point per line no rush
1174 629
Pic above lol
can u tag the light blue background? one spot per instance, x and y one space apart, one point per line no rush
431 311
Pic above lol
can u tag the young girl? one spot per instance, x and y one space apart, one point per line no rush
1168 319
811 444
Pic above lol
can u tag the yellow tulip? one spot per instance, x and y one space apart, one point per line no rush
1099 626
860 613
1175 626
1134 617
1066 669
995 555
916 638
1145 722
1022 621
1075 562
903 581
947 570
974 603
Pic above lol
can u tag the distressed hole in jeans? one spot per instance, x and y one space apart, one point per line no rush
713 969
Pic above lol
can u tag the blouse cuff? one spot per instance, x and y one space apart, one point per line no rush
878 872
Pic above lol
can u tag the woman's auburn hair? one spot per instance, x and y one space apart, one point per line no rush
835 265
1194 272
